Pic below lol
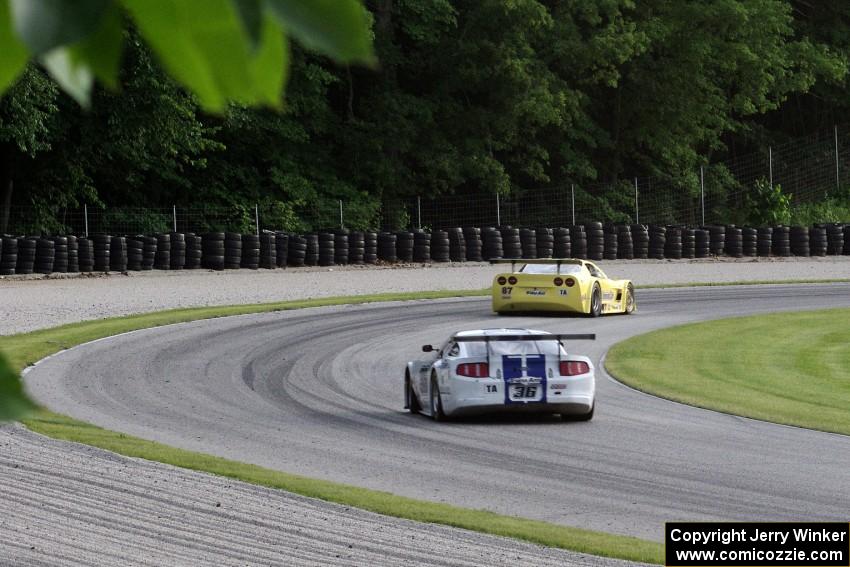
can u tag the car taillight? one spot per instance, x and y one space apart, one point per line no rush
502 280
569 282
473 369
574 368
558 281
512 280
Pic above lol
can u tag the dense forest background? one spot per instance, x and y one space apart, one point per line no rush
471 98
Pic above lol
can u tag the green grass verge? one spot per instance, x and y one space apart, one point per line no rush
791 368
26 348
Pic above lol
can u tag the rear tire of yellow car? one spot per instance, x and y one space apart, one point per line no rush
596 301
437 413
631 305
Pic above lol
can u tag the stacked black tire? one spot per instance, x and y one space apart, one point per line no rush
8 255
702 243
716 240
847 239
341 247
26 256
102 244
764 241
421 246
268 251
511 244
60 254
640 241
835 238
281 249
404 246
625 244
194 251
326 249
178 251
611 242
800 241
562 243
578 241
781 241
85 254
492 248
162 259
474 244
118 254
296 252
545 238
135 252
750 241
528 243
250 252
232 250
311 254
370 243
689 243
44 255
213 247
673 243
387 244
457 245
733 242
441 247
356 247
595 240
657 241
818 243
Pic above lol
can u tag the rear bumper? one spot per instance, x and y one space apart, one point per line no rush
574 404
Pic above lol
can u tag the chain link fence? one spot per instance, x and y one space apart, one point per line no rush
812 170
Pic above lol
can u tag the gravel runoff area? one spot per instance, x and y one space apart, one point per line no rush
28 303
68 504
99 508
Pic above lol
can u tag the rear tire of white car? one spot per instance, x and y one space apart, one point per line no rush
579 417
437 413
411 402
596 301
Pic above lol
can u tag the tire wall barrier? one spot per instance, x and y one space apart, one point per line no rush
340 247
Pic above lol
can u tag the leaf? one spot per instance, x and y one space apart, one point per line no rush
14 53
251 14
101 50
13 402
269 65
74 76
207 49
337 28
47 24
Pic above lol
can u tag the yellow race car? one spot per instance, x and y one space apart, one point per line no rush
560 284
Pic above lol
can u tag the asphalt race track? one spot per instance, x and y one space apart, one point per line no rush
318 392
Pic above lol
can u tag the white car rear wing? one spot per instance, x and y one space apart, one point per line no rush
487 339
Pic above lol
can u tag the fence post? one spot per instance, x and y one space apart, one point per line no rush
770 163
702 193
637 211
837 175
573 199
418 212
174 216
257 217
498 212
86 218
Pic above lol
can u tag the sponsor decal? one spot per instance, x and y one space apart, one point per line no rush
535 292
608 296
563 292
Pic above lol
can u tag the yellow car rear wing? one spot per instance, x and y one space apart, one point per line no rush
558 261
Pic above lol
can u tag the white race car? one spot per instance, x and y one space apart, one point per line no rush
494 370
